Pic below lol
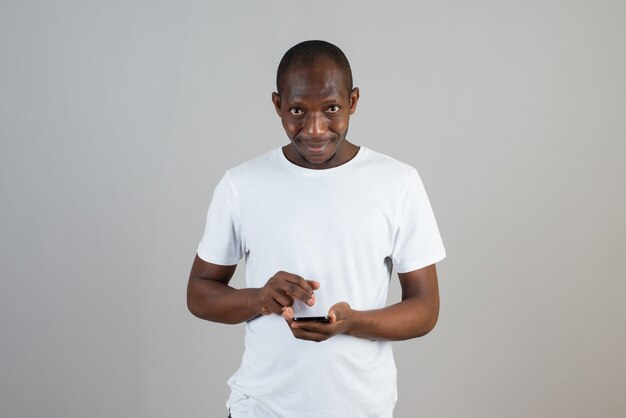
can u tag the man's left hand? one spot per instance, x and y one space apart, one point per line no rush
339 323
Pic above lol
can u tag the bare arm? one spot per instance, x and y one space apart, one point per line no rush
210 297
414 316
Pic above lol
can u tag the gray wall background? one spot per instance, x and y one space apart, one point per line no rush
118 118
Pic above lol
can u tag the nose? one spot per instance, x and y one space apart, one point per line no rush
314 124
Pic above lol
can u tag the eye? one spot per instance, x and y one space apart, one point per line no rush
333 109
295 111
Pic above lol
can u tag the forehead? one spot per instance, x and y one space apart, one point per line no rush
321 81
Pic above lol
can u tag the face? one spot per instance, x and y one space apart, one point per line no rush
315 107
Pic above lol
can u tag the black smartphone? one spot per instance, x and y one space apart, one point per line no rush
312 319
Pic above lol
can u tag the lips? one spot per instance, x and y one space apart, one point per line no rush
316 148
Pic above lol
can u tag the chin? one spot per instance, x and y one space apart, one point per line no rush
318 159
321 161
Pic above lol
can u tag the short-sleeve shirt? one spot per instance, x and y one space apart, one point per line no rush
345 227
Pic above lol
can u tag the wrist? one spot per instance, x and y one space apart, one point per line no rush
254 301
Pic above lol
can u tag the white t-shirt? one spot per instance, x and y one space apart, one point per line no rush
345 227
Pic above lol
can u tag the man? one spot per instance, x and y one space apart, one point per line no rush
321 222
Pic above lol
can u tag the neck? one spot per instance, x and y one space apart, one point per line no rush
345 152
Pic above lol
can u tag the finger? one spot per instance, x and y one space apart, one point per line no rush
282 299
309 336
316 327
332 317
288 314
297 292
300 282
338 311
314 284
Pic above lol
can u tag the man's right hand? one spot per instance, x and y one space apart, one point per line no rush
210 297
282 289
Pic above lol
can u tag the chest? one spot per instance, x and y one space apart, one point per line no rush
313 214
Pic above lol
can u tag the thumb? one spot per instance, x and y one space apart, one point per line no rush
288 314
332 317
338 311
334 313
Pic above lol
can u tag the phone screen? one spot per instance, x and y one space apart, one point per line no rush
312 319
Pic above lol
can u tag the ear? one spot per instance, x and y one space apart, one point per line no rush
276 101
354 98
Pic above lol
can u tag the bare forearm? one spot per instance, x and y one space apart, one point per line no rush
410 318
209 296
414 316
218 302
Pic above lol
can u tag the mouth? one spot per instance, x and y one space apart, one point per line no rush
316 148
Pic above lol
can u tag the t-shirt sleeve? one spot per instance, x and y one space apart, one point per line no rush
222 243
417 241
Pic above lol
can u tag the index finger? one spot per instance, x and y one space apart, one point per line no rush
299 281
315 327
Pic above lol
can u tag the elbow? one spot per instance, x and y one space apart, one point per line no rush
192 303
433 317
190 306
428 325
196 310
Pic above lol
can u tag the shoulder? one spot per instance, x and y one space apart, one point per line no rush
255 169
257 163
386 166
254 173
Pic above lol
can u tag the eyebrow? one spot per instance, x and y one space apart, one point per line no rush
324 101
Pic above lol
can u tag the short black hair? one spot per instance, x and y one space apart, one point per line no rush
307 53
